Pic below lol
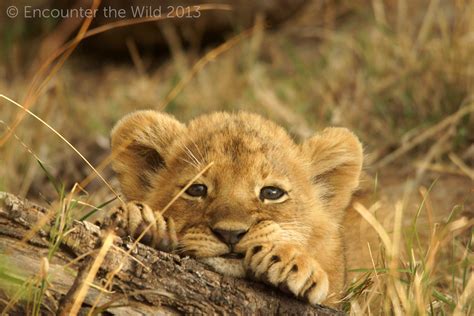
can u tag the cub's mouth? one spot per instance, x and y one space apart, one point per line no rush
231 264
232 255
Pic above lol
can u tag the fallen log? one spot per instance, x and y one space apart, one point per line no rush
145 282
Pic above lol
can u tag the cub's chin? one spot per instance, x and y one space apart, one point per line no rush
226 266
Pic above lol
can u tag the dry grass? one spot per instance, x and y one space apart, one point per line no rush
398 72
418 274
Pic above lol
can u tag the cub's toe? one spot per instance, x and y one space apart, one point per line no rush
288 268
138 220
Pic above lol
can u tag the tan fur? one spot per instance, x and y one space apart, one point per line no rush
296 244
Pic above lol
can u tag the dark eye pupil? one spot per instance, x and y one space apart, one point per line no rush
197 190
271 193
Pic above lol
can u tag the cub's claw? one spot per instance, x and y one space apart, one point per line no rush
286 267
136 219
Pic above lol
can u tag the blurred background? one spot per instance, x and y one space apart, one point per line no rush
399 73
390 70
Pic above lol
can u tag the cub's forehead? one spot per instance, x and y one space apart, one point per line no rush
237 139
243 129
237 134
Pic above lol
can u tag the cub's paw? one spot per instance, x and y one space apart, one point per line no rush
133 218
288 268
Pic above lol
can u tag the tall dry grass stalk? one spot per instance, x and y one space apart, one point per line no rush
398 72
412 278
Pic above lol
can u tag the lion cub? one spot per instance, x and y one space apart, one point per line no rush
266 208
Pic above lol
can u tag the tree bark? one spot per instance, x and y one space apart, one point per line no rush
149 281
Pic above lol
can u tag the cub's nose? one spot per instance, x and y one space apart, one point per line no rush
230 237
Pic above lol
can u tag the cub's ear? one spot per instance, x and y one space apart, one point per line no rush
336 158
140 142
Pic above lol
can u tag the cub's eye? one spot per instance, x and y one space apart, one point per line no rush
197 190
271 193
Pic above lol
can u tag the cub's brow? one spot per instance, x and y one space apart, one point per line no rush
194 161
191 155
198 150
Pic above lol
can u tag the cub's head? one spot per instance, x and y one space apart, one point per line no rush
261 184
